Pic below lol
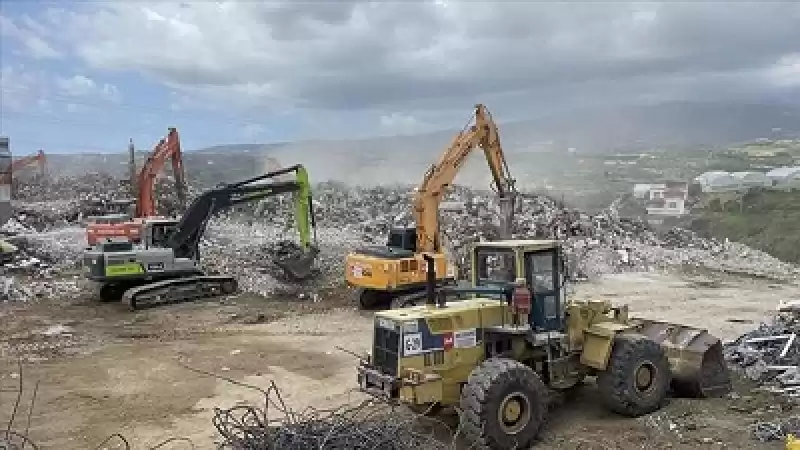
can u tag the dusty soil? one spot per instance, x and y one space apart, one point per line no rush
104 370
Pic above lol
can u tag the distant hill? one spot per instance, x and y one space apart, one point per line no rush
404 158
765 220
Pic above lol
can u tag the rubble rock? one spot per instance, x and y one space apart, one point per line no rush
244 240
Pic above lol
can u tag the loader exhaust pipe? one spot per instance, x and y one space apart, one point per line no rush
430 298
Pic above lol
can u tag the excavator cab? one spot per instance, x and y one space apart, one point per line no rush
402 239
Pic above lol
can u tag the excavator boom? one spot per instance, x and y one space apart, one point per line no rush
186 239
483 133
167 148
38 159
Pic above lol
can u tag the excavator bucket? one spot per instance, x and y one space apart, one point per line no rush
298 266
695 356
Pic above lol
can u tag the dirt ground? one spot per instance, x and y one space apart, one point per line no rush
104 370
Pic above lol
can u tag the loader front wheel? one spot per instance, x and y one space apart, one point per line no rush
503 405
637 378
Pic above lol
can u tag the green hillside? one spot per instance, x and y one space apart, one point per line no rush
765 220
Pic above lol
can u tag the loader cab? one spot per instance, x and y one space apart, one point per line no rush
539 262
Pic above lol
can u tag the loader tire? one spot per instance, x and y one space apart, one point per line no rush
503 405
637 378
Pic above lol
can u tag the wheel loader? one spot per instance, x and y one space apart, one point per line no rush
495 350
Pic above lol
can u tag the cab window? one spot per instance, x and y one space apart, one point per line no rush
541 270
496 265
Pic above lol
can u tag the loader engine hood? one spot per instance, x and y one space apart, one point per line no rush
418 337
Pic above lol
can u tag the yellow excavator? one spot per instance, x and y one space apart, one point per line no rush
395 274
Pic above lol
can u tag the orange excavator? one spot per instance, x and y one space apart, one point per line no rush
123 226
168 148
38 159
396 274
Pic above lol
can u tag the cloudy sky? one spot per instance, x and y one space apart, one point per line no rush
87 75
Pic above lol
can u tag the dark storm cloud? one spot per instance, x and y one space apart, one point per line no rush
354 54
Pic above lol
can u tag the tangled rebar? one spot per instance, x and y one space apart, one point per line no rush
11 439
371 424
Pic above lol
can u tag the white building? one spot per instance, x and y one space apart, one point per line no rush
664 199
718 181
784 178
670 189
752 179
673 207
642 190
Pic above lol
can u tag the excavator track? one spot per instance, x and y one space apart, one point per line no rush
409 300
178 290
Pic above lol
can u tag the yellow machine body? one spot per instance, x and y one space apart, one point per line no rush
423 355
381 274
385 274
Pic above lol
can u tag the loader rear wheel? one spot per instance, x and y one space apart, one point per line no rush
637 377
503 405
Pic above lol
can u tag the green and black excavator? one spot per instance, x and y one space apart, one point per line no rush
165 266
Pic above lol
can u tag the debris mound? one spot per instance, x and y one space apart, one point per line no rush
776 430
244 242
770 354
370 425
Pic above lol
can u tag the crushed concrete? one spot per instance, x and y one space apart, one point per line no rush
47 226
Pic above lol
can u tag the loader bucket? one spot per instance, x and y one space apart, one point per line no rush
298 266
695 357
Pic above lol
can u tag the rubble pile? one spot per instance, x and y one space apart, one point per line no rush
242 242
63 188
594 245
770 354
53 202
247 251
38 267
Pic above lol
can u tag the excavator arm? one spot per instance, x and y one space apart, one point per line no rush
167 148
186 238
39 159
480 132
